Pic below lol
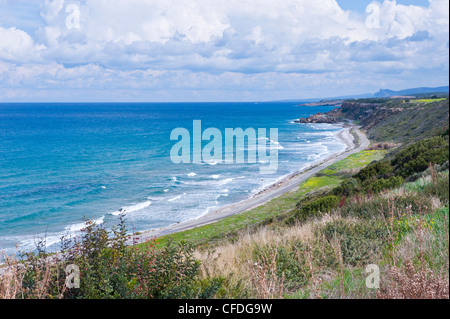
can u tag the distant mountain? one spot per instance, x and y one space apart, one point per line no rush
421 90
383 93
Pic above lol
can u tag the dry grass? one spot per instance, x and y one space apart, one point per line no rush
235 260
414 282
12 278
265 280
411 269
416 270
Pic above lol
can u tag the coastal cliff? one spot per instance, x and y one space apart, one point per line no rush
392 120
348 109
356 111
318 118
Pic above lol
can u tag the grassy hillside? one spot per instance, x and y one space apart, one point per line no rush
326 257
419 119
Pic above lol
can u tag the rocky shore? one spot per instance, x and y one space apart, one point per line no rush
318 118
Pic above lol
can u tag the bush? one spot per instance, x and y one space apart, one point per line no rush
290 263
439 187
374 171
347 188
110 269
361 242
383 207
316 206
417 157
384 184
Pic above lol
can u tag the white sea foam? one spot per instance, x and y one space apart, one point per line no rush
215 176
28 242
278 146
225 181
79 226
221 195
176 197
133 208
209 183
212 163
192 174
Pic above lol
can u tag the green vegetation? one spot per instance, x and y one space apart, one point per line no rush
388 208
280 208
316 206
403 232
418 121
109 269
417 157
427 100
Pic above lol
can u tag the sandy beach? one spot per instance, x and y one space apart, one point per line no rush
287 184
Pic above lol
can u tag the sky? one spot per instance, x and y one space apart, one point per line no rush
218 50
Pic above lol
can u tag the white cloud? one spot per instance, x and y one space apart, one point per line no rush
204 44
16 44
50 9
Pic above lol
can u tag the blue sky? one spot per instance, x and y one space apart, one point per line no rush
361 5
218 50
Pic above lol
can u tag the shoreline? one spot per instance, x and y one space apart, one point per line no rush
260 196
284 185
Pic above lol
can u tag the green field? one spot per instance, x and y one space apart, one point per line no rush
427 100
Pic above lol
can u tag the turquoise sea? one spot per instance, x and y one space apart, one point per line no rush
63 163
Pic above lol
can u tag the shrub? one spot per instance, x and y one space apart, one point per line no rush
375 170
111 269
347 188
290 262
316 206
384 184
414 282
417 157
439 187
361 242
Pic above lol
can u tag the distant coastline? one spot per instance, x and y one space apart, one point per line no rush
335 103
